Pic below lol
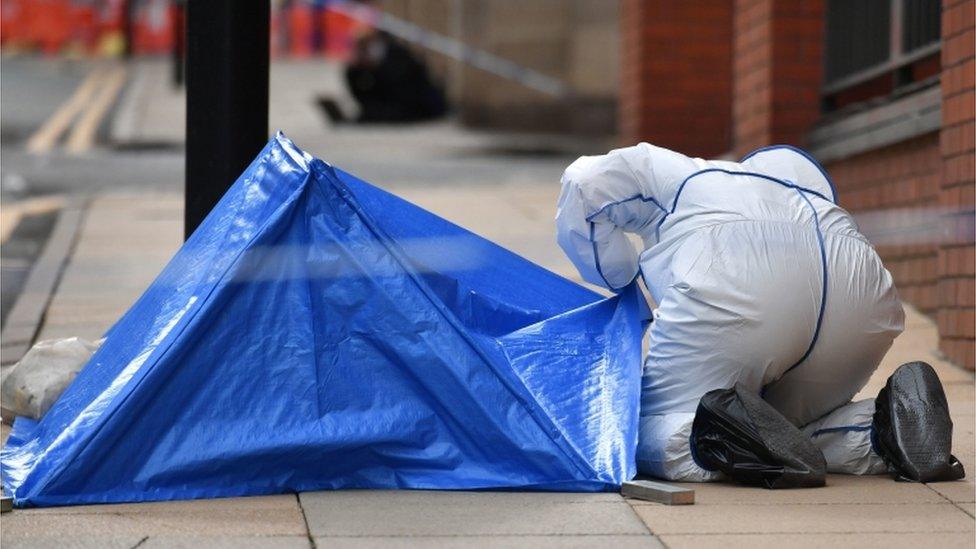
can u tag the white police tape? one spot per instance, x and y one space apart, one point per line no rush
450 47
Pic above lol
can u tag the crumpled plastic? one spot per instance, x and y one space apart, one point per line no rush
45 371
913 428
316 332
742 436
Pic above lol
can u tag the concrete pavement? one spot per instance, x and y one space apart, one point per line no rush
126 237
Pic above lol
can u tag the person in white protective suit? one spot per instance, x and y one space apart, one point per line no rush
772 313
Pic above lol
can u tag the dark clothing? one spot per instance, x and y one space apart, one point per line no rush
397 89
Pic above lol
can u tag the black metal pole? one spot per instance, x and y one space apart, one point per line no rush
128 32
179 43
227 58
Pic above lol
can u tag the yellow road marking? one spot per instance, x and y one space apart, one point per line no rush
83 134
44 139
8 220
10 214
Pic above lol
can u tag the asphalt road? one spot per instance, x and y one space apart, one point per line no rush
32 89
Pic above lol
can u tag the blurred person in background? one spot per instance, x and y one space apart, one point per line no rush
389 83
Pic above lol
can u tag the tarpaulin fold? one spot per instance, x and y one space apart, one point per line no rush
316 332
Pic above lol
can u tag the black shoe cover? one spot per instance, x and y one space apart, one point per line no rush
740 434
912 427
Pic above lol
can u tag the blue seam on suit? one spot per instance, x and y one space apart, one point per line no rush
803 192
803 153
843 429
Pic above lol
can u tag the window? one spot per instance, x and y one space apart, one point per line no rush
879 48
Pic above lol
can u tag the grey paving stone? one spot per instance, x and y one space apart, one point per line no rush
964 441
647 490
233 542
71 542
173 521
960 491
449 497
803 519
417 513
953 540
839 489
499 542
968 508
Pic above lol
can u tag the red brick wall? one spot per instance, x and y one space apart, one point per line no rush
676 88
923 187
915 199
956 259
894 192
776 71
752 68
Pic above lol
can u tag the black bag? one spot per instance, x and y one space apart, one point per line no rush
738 433
912 426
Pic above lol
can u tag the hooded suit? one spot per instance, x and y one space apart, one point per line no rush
759 278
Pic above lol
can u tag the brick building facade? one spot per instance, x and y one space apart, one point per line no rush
572 41
664 95
882 92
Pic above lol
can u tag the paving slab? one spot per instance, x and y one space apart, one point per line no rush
962 404
960 491
419 513
57 541
169 519
123 244
499 542
229 542
840 489
25 526
793 518
826 541
454 497
651 490
964 441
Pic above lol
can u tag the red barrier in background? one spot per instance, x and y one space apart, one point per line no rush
153 27
49 24
298 29
340 33
84 31
276 39
11 21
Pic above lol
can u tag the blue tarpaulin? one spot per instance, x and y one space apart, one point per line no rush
317 332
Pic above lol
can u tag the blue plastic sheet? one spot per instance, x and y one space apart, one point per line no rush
317 333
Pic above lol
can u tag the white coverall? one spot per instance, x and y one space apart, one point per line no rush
759 279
